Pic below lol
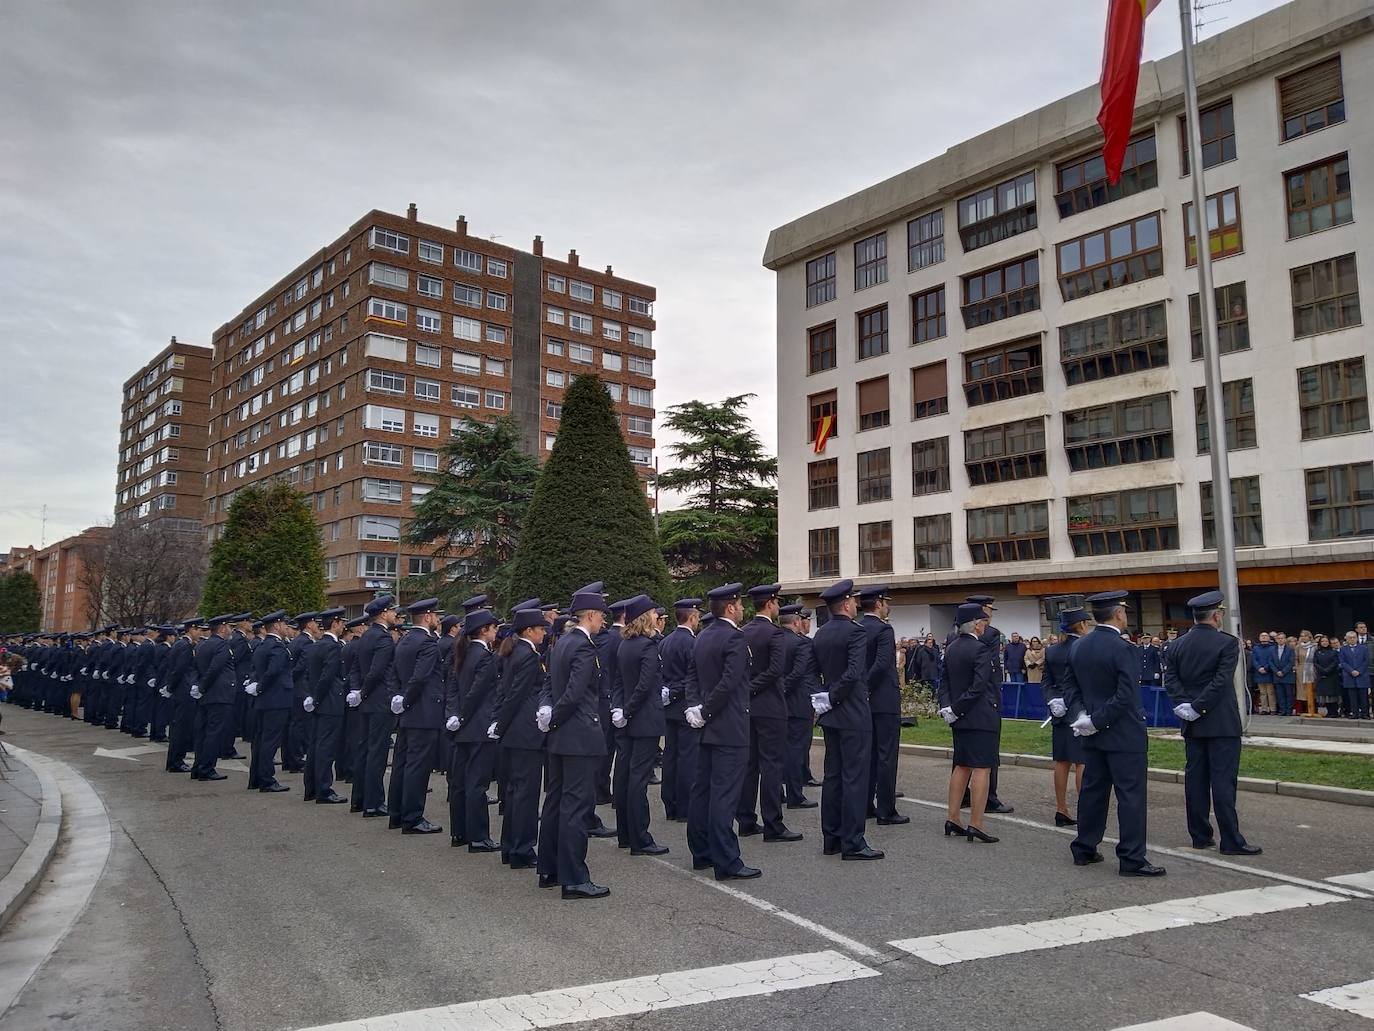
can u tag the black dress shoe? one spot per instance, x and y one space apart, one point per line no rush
831 847
701 864
354 808
893 821
548 881
422 827
812 782
750 831
331 799
650 850
274 788
457 842
602 832
231 755
975 835
805 803
744 873
394 823
485 845
307 798
1096 857
868 852
523 864
372 814
216 775
585 891
953 828
1209 843
1244 850
183 768
1001 807
1148 870
163 741
1060 820
784 835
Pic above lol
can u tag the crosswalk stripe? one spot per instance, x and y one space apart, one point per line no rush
1355 998
1355 880
623 998
1201 1021
985 943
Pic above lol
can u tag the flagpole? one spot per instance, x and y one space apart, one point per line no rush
1222 517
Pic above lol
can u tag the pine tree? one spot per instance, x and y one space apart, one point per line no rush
269 557
589 519
20 611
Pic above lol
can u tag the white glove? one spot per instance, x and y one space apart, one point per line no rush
618 718
452 723
1083 726
165 693
947 714
694 717
354 699
68 677
83 671
398 704
820 703
1185 711
491 732
308 705
152 683
195 691
105 675
251 688
665 694
543 718
1057 707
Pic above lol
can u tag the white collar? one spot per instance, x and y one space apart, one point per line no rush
531 644
683 626
727 619
478 640
584 630
329 635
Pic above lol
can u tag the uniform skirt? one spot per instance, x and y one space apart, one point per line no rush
975 749
1064 747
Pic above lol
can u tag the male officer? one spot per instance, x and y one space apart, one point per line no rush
1066 747
160 708
884 701
800 680
213 691
767 720
576 744
847 723
607 646
298 726
1103 696
368 694
353 720
271 689
1200 680
450 627
421 711
176 682
722 715
679 682
325 707
240 646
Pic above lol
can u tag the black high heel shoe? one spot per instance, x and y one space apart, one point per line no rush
953 828
974 834
1060 820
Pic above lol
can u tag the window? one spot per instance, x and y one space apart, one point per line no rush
428 357
641 455
611 360
498 302
1232 315
874 410
1247 520
930 466
1124 522
496 267
641 306
611 330
581 353
640 425
427 321
1318 197
427 389
378 566
1002 292
385 275
641 366
998 212
1082 183
553 410
376 417
874 475
1326 296
554 378
556 284
612 299
555 316
1114 345
641 397
1009 533
550 439
381 490
1312 98
1332 399
1223 226
873 332
1125 253
616 391
1238 406
1006 370
870 261
820 348
465 397
469 260
425 425
818 407
417 565
928 315
1218 135
823 551
471 296
823 484
929 391
379 528
1138 430
386 382
382 454
496 400
638 337
387 311
581 292
820 280
925 241
426 460
495 334
387 239
331 570
466 329
467 364
1340 501
555 348
1011 451
933 538
875 548
579 323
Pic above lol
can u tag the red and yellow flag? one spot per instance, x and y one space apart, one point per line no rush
1120 74
825 425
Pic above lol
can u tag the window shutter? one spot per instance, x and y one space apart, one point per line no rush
873 396
1310 89
929 382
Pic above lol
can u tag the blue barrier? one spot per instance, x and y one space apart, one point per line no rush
1023 702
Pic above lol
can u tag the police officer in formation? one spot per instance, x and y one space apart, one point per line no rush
679 737
801 679
766 774
325 707
975 715
884 702
1066 747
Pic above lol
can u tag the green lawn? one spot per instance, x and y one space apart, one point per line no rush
1026 737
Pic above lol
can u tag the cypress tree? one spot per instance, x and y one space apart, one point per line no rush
20 611
589 518
269 557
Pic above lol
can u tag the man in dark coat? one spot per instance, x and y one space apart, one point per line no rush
420 706
374 652
885 703
272 694
213 691
800 680
763 781
325 706
679 685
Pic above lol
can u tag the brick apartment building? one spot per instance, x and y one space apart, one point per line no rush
163 439
346 376
65 603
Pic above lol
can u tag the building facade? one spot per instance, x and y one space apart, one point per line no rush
163 438
1005 351
68 595
347 376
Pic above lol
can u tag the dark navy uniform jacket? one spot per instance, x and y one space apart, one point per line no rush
178 665
421 681
1151 665
327 684
472 695
679 671
374 653
722 661
215 672
272 671
522 683
607 645
841 648
1102 680
242 652
145 664
764 639
1202 669
974 695
884 690
802 678
574 690
298 649
1054 681
641 679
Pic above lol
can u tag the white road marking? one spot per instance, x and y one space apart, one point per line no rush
987 942
849 945
622 998
1202 1021
131 753
1355 998
1355 880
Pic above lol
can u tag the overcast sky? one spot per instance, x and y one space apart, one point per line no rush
161 164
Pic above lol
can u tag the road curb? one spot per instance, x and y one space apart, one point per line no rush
17 885
1318 792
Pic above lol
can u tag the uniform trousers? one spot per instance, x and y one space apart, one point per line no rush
882 765
1209 782
297 736
763 779
369 761
799 739
605 762
715 796
422 747
271 727
250 720
396 782
211 721
679 767
115 705
570 783
181 737
140 707
162 717
319 757
520 827
634 767
844 790
470 771
1104 772
348 742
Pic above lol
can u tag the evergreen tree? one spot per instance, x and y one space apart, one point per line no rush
589 519
474 511
269 557
20 612
729 528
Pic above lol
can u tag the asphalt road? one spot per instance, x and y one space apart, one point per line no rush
223 909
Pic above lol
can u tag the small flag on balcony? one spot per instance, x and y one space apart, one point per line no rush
1121 52
824 426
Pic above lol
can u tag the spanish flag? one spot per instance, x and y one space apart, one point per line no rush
825 425
1120 74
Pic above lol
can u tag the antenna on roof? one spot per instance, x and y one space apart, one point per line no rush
1200 18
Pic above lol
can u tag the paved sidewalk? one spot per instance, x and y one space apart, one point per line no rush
20 803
